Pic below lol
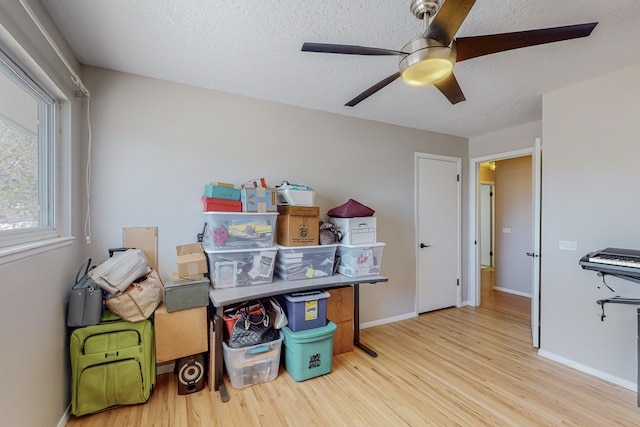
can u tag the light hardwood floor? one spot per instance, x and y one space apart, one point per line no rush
464 366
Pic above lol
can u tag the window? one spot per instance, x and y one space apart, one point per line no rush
27 158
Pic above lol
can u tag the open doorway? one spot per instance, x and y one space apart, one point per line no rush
512 226
505 230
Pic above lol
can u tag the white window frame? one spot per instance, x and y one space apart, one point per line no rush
16 244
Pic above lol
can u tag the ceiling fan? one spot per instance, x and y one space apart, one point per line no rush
430 58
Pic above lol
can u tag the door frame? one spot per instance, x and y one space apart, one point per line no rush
458 162
474 226
492 221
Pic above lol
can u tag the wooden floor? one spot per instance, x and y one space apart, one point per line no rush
464 366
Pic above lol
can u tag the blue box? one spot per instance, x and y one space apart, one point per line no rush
308 354
258 200
219 192
305 310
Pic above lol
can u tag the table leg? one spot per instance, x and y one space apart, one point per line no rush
219 381
356 322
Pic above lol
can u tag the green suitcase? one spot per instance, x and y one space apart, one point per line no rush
112 364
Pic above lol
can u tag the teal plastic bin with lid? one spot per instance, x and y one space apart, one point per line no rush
308 353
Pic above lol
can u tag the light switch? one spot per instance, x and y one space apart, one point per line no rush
567 245
506 230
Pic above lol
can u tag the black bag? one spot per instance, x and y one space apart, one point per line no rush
85 299
252 328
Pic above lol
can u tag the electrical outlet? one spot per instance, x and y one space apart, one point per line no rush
567 245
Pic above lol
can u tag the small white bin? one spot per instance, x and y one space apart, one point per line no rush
256 364
356 231
240 267
240 230
360 260
305 262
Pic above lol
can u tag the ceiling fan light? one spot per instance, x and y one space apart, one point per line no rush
428 63
427 71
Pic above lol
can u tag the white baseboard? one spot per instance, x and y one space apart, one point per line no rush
511 291
387 320
65 417
588 370
165 368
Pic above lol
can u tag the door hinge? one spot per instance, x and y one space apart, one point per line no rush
457 282
458 178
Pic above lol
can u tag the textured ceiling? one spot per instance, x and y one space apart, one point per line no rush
252 48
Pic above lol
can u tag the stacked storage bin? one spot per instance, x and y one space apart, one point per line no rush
240 248
308 338
239 242
359 252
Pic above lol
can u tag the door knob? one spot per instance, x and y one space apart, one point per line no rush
422 246
531 254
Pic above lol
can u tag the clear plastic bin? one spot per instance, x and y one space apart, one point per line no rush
360 260
240 267
305 262
240 230
256 364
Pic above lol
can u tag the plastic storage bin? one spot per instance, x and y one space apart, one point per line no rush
256 364
360 260
308 354
240 230
356 231
240 267
305 262
305 310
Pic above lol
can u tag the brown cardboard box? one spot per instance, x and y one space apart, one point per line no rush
222 184
298 225
145 239
343 337
340 311
191 260
181 333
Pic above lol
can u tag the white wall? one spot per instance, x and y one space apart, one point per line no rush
591 139
505 140
155 145
514 225
34 373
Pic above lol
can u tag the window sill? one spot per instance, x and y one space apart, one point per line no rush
16 252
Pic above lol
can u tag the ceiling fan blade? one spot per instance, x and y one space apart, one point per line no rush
373 89
472 47
448 20
451 89
348 49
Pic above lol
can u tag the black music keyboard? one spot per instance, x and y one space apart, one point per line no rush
615 261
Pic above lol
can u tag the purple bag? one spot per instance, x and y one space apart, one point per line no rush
351 209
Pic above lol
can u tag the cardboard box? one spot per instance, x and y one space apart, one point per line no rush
258 199
221 192
145 239
343 337
340 311
222 184
176 277
298 225
356 231
341 304
180 334
191 260
211 204
185 294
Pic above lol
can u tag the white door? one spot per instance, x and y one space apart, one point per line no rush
537 197
438 231
486 225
